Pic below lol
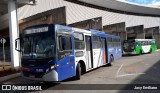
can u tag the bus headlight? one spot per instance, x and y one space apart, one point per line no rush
52 67
49 69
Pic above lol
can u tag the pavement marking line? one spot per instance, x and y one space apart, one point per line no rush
146 64
130 74
119 70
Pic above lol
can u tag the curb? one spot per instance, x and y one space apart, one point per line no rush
5 78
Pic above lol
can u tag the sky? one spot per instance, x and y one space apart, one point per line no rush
145 2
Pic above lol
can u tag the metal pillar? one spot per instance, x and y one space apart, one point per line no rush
13 32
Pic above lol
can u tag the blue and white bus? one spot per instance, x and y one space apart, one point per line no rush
52 52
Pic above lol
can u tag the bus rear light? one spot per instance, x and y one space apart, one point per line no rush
25 69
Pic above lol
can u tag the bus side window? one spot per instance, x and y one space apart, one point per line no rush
146 42
149 42
79 41
96 42
152 42
110 42
117 44
65 43
139 43
113 42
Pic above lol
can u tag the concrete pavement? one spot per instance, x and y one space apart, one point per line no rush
143 69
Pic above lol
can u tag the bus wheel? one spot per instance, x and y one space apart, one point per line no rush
78 72
111 60
140 52
150 50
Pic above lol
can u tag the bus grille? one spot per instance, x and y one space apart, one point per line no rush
36 75
34 63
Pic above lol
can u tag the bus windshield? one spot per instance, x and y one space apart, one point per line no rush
130 44
38 47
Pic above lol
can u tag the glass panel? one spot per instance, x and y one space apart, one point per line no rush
78 36
40 46
79 41
67 45
129 44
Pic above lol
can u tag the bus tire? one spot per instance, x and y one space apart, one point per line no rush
78 72
150 50
111 60
140 52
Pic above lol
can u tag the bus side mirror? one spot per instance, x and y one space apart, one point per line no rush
17 45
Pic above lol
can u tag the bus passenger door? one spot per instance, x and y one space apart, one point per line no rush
104 50
66 57
89 52
97 51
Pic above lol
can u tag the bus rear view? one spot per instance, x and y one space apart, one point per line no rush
139 46
129 47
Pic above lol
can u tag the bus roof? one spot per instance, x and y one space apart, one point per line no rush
141 40
102 34
144 39
81 30
89 31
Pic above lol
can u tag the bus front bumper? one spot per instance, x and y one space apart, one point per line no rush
129 53
51 76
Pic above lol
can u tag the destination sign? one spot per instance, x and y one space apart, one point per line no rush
36 30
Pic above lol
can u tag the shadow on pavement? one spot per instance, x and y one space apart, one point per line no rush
151 78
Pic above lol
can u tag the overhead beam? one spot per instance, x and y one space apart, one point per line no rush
31 2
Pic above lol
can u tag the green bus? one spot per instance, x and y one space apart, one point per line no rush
139 46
